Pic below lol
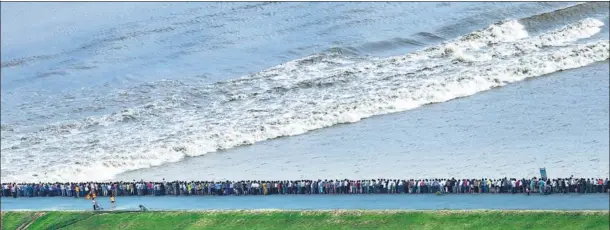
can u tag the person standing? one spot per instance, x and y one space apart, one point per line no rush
112 201
14 190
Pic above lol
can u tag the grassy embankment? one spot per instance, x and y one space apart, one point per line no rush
308 220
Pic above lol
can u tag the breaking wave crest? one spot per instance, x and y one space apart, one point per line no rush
290 99
549 20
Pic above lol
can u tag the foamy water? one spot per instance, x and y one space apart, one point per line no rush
175 119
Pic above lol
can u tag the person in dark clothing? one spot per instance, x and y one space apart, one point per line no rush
450 185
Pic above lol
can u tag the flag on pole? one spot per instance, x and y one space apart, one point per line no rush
543 173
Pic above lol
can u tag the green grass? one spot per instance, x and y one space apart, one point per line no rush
310 220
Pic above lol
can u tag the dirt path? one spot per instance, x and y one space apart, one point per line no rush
27 224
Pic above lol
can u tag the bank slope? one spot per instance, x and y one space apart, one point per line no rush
309 220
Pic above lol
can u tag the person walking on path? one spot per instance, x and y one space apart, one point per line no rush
95 206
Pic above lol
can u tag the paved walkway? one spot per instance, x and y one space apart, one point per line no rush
324 202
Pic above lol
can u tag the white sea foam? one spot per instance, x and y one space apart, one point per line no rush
290 99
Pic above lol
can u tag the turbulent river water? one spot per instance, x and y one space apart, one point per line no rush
147 90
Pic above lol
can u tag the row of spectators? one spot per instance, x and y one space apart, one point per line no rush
346 186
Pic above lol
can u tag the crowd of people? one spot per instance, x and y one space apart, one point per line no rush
241 188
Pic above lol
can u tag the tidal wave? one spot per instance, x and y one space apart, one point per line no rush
310 93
